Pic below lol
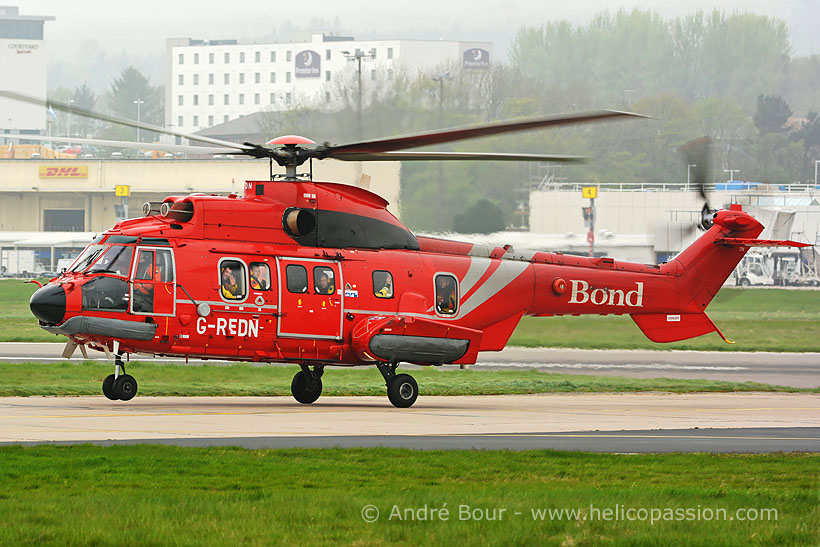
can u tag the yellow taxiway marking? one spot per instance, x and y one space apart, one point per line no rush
126 414
85 413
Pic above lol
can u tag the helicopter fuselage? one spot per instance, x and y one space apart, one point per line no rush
285 274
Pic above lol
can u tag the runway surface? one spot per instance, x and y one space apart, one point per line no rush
785 369
654 422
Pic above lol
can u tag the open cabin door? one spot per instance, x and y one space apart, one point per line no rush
310 298
153 282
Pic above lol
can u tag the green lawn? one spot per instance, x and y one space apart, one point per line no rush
84 378
756 319
153 495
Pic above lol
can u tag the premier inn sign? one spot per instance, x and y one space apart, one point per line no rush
476 57
52 172
308 64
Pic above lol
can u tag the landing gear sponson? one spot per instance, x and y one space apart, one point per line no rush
402 389
119 386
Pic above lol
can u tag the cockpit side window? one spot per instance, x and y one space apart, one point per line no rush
165 266
145 266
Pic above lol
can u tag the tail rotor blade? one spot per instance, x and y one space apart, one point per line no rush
698 156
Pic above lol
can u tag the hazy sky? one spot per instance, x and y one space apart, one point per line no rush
141 26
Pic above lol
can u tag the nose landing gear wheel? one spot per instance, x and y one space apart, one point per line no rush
306 386
108 388
402 390
119 386
125 387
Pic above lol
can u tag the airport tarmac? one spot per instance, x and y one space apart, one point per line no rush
784 369
631 422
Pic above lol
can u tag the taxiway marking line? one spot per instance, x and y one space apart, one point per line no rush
125 414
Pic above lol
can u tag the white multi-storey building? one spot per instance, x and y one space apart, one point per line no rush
212 82
22 69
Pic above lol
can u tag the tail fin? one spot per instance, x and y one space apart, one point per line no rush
705 265
702 268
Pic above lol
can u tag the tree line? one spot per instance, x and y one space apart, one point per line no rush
731 76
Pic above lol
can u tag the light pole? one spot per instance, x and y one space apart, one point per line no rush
357 56
138 102
441 77
815 172
731 173
689 174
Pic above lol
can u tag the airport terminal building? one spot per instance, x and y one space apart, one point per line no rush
51 206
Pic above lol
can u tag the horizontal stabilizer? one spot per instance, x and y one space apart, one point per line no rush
662 327
750 242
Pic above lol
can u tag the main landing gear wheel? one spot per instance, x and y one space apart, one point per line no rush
402 389
306 386
119 386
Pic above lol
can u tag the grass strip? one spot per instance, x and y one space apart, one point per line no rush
172 495
155 379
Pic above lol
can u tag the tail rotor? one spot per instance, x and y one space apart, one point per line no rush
698 155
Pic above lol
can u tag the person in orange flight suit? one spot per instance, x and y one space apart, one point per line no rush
144 292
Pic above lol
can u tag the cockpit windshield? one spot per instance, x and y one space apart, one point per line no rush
116 260
88 256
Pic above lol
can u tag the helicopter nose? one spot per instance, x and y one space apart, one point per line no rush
48 304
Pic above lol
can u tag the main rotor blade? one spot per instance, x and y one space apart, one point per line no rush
449 156
114 119
202 150
470 132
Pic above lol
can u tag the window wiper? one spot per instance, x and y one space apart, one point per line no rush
117 272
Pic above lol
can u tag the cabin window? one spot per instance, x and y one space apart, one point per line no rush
297 278
260 276
382 284
232 279
446 294
116 260
324 281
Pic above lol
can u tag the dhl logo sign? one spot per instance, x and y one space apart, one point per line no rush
63 172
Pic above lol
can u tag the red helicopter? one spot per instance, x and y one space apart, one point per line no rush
318 274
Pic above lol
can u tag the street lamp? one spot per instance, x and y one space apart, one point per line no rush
689 174
357 57
441 77
138 102
70 102
731 173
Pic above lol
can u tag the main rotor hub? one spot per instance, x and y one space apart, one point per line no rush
290 140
